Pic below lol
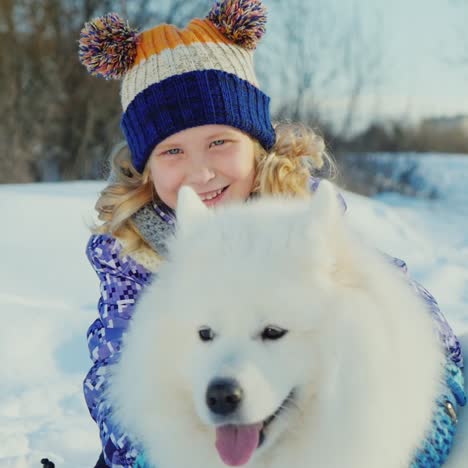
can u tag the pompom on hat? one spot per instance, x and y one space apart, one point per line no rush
174 79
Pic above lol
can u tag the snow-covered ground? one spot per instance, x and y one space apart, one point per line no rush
48 296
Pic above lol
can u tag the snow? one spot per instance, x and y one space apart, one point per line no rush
49 293
48 297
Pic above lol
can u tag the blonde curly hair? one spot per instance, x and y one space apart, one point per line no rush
298 153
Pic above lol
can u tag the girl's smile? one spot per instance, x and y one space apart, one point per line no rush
213 197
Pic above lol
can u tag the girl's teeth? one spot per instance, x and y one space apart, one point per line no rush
213 195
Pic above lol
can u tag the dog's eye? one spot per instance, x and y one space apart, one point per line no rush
206 334
273 333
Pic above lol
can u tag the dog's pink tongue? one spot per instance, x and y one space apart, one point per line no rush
236 444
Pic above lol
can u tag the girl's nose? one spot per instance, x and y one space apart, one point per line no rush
199 173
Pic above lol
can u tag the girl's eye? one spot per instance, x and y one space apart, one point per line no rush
206 334
273 333
172 151
218 142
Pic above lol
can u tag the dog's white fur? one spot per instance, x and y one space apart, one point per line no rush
360 350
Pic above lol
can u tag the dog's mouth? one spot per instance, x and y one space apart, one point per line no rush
237 443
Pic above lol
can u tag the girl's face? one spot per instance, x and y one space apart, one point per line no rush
217 161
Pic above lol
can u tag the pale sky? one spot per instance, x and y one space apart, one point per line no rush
421 38
419 42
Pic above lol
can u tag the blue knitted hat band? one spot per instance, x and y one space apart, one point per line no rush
193 99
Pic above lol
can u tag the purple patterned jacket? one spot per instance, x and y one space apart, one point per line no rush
121 281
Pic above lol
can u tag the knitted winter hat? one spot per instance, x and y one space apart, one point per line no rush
174 79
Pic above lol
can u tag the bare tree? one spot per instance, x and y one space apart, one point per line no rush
361 65
319 53
293 65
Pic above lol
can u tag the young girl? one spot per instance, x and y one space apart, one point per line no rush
193 114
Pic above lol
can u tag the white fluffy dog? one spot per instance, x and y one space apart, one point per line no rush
273 337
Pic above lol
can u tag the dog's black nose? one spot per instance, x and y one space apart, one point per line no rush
223 396
46 463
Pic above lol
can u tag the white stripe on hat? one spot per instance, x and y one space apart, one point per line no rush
187 58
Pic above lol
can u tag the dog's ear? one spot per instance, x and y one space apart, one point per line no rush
190 209
316 237
319 219
339 254
325 206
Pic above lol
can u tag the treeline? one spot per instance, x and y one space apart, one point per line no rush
396 137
